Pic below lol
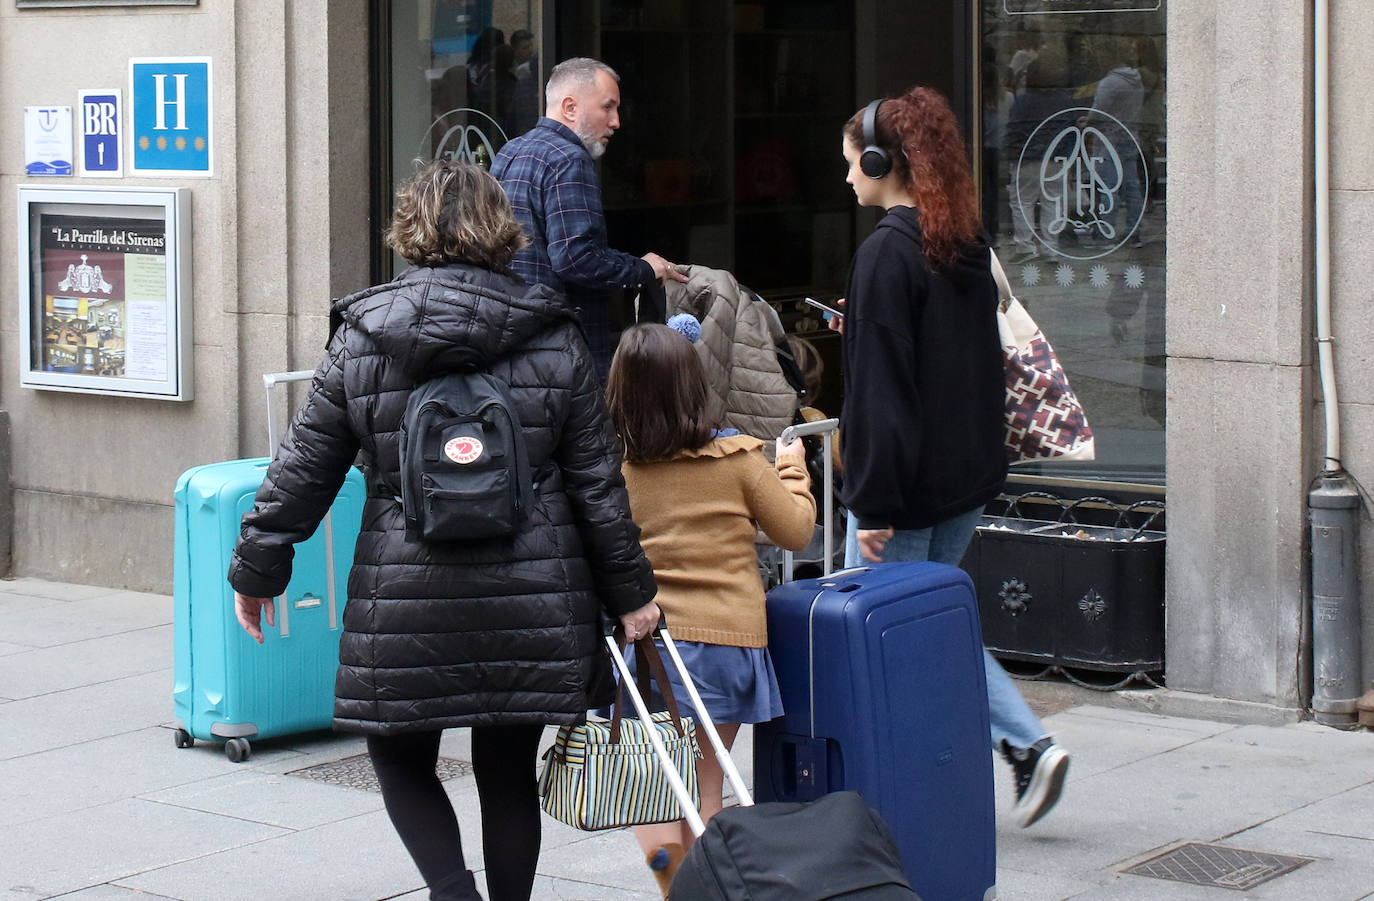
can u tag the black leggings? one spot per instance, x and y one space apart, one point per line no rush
503 763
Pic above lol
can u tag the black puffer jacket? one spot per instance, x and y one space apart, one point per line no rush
493 632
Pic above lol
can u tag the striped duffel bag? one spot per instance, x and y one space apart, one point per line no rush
601 775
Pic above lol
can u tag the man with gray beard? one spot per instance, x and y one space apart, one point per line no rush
549 174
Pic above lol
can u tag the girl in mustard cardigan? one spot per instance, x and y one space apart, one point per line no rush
699 494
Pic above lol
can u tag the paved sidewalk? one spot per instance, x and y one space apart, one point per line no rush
97 804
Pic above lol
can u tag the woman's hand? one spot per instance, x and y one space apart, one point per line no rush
872 542
836 323
249 613
641 622
793 447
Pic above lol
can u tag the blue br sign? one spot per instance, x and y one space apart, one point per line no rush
100 133
171 123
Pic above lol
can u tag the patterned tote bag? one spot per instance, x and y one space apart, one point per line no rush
1044 417
600 775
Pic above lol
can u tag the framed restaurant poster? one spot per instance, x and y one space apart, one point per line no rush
105 290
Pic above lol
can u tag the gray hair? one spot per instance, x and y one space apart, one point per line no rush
580 71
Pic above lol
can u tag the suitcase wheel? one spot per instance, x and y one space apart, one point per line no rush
238 750
183 738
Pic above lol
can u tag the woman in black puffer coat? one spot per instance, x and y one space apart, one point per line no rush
502 635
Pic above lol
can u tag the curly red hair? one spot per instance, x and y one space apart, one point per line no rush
922 137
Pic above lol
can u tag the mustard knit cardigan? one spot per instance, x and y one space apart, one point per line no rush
698 512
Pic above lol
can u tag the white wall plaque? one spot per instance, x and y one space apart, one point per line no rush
47 140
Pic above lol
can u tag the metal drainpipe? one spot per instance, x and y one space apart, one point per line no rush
1333 506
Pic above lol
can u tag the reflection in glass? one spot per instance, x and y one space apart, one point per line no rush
465 78
1074 153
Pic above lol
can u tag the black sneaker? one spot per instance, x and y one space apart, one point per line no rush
1040 771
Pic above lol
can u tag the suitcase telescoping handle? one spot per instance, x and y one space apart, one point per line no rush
819 427
703 719
270 381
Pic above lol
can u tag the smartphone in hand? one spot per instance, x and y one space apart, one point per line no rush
827 312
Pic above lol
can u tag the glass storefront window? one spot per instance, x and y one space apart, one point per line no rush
477 64
730 117
727 156
1074 187
728 152
464 77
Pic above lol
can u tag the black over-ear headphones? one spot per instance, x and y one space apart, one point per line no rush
874 160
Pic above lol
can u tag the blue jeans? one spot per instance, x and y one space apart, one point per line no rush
1011 718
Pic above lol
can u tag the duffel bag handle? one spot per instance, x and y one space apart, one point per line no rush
647 661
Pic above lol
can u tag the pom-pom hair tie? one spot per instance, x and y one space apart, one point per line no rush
687 325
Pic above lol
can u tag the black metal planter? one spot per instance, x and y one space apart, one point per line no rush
1077 596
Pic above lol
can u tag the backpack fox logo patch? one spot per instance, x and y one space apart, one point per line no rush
463 450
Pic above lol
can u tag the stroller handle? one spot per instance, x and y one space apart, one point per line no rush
802 429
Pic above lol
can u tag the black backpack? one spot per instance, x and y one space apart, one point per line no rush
465 473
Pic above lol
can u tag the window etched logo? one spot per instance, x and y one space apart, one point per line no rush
1089 183
463 136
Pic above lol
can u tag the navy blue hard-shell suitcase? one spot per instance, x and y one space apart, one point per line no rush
881 672
227 688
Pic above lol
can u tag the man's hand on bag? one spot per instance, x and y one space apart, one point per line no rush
872 542
664 269
249 612
641 622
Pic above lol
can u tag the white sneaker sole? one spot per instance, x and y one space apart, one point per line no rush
1047 782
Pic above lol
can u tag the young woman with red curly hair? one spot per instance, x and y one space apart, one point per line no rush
924 388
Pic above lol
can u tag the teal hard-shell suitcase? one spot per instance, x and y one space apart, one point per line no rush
226 687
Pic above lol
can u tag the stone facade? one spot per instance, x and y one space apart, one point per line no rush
278 232
272 243
1245 430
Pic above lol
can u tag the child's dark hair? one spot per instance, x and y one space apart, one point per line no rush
657 394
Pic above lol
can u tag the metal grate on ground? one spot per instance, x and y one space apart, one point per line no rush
1203 864
357 772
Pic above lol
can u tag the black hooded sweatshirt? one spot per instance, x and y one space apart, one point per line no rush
924 387
494 632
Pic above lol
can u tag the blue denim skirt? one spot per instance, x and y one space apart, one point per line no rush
737 685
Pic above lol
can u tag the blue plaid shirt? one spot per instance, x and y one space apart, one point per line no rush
552 184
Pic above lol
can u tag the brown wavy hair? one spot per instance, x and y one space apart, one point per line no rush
657 393
922 138
453 212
